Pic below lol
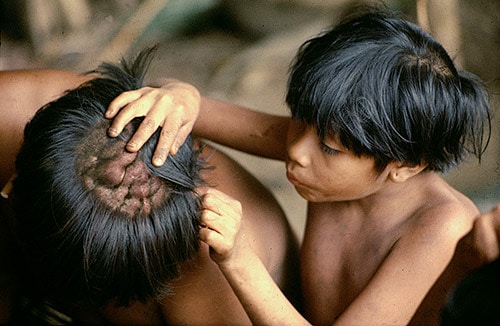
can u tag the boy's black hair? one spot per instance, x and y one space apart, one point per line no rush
96 222
390 91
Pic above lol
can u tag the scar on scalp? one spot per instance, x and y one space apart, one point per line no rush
119 179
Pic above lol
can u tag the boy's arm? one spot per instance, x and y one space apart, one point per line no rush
22 93
481 245
178 109
259 295
246 130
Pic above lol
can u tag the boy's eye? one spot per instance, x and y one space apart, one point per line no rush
327 149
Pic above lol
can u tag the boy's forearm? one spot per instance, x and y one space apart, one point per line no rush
242 129
260 296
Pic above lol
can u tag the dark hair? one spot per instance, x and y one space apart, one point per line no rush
98 223
390 91
475 300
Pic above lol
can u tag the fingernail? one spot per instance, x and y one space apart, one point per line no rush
112 132
8 187
157 161
132 145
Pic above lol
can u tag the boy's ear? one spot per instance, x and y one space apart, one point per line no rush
402 171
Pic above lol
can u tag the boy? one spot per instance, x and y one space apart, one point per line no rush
115 240
378 110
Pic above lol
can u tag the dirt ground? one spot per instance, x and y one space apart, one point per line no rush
239 53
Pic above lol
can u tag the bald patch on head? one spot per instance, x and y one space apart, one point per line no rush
119 179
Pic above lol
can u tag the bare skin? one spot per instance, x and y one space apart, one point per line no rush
202 282
375 244
202 295
22 93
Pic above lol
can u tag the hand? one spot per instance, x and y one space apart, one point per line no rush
221 229
481 245
174 107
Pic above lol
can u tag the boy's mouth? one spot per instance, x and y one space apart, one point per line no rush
292 179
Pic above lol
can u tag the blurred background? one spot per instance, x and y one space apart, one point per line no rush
240 51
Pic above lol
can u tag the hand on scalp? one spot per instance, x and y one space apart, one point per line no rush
221 226
172 106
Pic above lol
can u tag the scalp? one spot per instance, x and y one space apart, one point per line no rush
119 179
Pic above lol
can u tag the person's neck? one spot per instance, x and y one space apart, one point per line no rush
393 203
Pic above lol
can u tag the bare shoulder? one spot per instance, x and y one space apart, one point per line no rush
22 93
37 87
452 240
451 213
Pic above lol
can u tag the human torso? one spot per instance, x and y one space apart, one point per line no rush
342 253
337 262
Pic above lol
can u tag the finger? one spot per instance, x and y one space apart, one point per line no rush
226 224
120 101
214 240
118 124
202 190
152 121
168 133
209 219
147 127
172 125
205 235
213 193
220 243
132 110
180 138
219 203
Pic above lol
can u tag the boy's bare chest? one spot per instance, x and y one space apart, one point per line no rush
337 262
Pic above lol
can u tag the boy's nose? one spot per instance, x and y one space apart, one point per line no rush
299 148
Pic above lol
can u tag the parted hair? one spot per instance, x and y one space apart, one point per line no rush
97 223
389 91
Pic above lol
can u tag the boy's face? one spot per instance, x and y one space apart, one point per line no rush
323 170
